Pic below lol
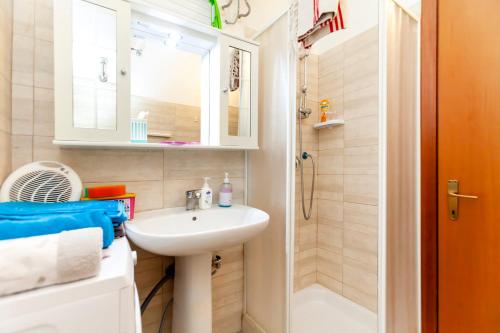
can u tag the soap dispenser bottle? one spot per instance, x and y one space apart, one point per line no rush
206 195
226 193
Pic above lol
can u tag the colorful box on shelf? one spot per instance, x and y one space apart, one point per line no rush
128 200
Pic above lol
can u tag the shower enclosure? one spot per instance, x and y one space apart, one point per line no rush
341 251
345 173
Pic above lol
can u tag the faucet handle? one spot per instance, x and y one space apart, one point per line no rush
193 194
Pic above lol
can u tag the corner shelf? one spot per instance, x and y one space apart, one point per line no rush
329 123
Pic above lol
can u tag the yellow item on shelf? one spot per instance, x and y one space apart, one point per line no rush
324 107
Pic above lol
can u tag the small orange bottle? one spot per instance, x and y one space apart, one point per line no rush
324 107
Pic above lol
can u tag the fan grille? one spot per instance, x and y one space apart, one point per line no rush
41 186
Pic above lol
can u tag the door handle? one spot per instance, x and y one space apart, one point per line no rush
463 196
453 197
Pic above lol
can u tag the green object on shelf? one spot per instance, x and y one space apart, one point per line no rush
215 14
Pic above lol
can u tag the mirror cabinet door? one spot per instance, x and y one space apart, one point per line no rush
94 66
91 61
239 104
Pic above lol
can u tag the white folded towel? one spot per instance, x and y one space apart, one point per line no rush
34 262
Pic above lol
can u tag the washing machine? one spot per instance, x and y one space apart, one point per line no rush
106 303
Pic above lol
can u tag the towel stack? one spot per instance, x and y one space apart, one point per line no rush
34 262
26 219
50 243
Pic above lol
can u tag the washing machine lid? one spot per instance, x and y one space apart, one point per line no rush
117 272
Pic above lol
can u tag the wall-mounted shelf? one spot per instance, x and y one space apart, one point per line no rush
329 123
133 145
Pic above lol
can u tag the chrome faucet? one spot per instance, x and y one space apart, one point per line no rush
192 199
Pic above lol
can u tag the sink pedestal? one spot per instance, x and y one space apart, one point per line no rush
193 294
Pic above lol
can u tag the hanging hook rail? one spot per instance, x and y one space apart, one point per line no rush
238 14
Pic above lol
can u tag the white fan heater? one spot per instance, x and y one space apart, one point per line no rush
43 181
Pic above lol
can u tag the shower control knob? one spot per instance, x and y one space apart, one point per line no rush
123 71
225 90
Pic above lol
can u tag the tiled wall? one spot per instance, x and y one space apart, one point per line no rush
158 177
348 171
182 121
306 230
338 246
5 85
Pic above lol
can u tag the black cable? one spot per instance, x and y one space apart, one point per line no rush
169 274
164 316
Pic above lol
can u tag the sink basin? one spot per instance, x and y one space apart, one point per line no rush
192 236
177 232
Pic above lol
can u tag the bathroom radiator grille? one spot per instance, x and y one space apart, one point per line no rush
42 182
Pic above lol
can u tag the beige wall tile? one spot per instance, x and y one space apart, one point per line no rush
44 64
22 59
43 112
304 281
330 212
5 104
330 283
307 237
331 162
5 38
364 241
361 189
24 17
331 138
197 164
360 214
330 238
348 171
102 165
5 157
361 131
22 110
43 20
361 103
22 150
366 300
330 264
361 160
360 279
331 187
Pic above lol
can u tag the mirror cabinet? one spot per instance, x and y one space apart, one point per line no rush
129 73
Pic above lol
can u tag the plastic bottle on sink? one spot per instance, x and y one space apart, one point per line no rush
226 193
206 195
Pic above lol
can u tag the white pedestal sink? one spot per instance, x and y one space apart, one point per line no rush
192 236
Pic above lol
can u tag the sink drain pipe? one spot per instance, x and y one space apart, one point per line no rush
169 274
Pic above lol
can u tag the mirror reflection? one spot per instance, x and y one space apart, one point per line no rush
165 84
239 93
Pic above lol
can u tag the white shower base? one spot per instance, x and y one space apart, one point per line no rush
316 309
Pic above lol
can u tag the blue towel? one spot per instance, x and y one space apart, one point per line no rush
44 224
114 209
25 219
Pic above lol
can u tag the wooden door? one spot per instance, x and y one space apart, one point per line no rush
469 151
